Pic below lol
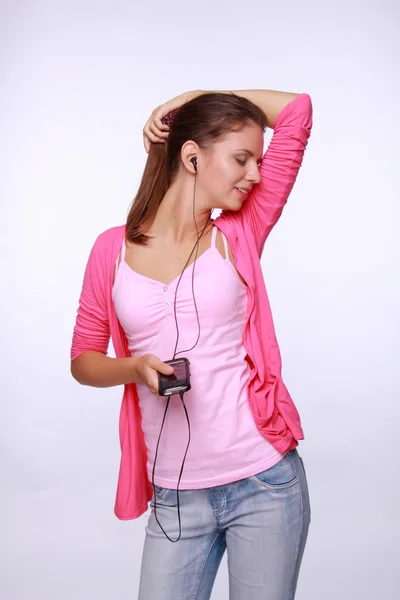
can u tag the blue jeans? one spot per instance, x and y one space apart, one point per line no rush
262 521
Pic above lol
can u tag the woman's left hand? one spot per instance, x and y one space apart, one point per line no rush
154 130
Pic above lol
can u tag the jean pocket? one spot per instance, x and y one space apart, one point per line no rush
280 476
160 491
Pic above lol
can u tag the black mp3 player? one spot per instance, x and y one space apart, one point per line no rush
178 382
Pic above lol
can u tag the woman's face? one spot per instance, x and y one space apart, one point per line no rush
229 169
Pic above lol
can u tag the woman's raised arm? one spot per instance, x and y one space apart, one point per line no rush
271 102
290 117
280 164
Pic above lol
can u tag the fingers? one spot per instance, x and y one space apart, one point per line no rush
153 366
152 134
165 369
159 124
149 138
152 379
146 144
152 384
155 363
155 131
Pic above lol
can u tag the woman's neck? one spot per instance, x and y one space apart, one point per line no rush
174 221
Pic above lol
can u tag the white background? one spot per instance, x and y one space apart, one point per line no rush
78 82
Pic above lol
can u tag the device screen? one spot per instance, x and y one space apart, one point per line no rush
178 378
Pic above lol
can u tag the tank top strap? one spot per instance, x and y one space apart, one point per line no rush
213 239
123 250
214 236
225 245
120 257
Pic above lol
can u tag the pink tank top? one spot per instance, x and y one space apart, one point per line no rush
225 443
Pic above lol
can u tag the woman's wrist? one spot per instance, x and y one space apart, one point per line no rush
271 102
135 361
194 94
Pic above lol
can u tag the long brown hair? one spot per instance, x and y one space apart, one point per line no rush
204 120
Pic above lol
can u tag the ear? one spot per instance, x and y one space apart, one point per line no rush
188 151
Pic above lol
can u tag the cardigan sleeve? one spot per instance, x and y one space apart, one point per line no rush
279 168
92 329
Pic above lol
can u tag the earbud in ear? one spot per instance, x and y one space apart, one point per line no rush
194 162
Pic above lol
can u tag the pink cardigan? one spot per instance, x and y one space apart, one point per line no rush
272 407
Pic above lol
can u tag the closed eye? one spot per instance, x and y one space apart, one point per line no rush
243 162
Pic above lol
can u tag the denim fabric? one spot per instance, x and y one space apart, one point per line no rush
262 521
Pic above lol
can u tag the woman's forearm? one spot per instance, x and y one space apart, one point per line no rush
97 370
271 102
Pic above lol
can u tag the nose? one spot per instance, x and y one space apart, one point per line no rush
253 175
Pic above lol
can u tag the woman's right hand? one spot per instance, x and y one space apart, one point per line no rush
147 368
154 130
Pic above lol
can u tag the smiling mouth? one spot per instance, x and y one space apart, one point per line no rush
244 193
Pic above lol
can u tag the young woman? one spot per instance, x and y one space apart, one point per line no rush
173 283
